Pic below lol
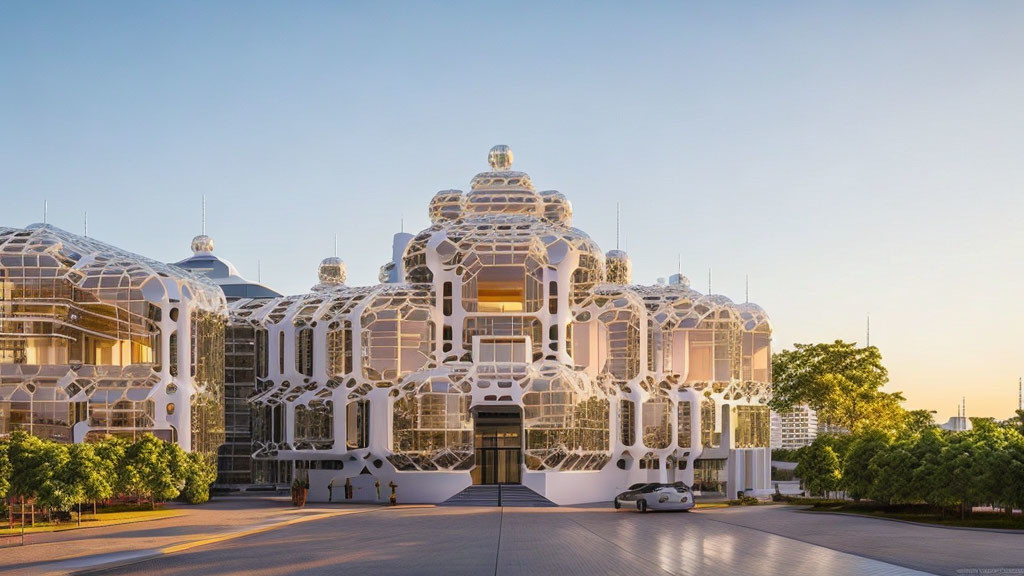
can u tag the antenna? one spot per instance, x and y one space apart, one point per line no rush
1020 393
679 266
746 293
335 245
204 214
259 271
46 208
709 280
868 343
616 225
402 220
86 224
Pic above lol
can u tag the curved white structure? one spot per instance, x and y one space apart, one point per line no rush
95 340
507 348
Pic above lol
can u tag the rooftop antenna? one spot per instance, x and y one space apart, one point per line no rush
746 292
259 271
335 245
869 331
679 265
1020 393
46 208
204 214
709 280
616 225
86 224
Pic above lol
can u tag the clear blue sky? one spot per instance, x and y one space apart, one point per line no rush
850 158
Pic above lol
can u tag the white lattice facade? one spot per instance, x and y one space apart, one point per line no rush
95 340
503 346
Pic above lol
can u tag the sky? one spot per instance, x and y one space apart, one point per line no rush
849 158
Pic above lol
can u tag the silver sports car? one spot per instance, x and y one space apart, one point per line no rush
657 496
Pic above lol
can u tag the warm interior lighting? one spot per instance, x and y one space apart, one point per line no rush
501 289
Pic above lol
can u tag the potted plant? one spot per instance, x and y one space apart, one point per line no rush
300 486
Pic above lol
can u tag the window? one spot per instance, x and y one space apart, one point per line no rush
358 424
657 423
683 424
261 352
495 350
304 351
280 351
339 352
627 422
447 299
553 297
753 427
708 437
501 289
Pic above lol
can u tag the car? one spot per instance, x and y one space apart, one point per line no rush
656 496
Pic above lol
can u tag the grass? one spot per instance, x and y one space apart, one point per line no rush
917 513
110 516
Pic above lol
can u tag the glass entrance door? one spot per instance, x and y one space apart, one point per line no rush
498 443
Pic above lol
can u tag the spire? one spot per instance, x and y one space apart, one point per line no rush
616 225
259 271
85 224
204 215
46 209
335 244
746 289
709 280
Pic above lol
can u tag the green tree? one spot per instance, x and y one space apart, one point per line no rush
917 421
148 471
200 473
926 481
858 475
53 491
892 472
25 453
840 381
88 476
819 467
962 470
5 471
111 453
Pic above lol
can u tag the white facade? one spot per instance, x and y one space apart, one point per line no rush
505 347
794 428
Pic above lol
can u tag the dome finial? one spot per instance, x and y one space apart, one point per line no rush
202 244
500 158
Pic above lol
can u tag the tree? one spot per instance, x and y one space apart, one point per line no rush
959 467
111 454
88 475
926 482
892 471
819 467
858 475
200 473
148 472
53 491
840 381
5 471
917 421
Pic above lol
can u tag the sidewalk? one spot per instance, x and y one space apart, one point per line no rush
74 550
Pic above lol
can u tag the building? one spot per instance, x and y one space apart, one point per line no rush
794 428
95 340
503 346
235 464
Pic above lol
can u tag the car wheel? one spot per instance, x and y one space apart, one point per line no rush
641 505
617 504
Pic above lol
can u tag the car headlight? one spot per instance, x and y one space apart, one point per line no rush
684 499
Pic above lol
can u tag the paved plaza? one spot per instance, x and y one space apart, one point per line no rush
564 541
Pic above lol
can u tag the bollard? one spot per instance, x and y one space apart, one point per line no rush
394 499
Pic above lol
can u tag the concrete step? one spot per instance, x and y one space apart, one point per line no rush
494 495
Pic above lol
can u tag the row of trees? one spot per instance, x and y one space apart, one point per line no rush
61 477
983 466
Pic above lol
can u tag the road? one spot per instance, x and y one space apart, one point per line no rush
599 540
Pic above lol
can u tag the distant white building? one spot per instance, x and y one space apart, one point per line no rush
794 428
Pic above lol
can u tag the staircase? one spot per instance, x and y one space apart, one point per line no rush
498 495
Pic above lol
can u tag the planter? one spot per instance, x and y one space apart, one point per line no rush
299 497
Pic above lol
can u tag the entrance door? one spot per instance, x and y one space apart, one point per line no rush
498 442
